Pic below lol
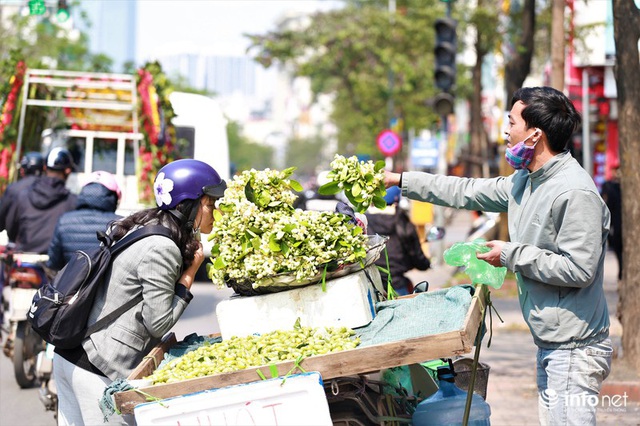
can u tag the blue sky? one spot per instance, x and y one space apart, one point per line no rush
216 25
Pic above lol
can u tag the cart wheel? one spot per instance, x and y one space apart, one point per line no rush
25 352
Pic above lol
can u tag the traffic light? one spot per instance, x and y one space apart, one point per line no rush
37 7
63 11
445 72
445 53
442 103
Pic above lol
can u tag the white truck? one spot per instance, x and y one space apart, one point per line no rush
105 108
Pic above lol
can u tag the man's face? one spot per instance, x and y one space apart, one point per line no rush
517 129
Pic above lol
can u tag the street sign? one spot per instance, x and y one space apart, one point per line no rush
424 152
389 142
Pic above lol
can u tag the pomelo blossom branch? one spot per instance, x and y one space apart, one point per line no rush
259 233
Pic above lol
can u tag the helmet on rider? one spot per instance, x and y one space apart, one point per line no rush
32 163
105 179
186 180
60 159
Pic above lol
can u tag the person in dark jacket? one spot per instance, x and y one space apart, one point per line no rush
31 167
38 207
403 248
612 196
76 230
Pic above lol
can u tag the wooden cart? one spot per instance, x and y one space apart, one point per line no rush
362 360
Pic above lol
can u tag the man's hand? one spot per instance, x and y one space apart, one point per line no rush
391 179
492 257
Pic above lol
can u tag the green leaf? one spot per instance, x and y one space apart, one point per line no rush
255 242
350 197
379 202
219 263
288 172
274 245
329 188
263 199
295 185
379 165
250 193
255 230
356 190
284 248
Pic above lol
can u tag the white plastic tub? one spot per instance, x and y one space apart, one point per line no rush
348 301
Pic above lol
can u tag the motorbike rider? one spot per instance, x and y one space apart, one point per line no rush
38 207
31 167
403 248
76 230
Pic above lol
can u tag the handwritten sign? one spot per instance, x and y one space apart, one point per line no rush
297 400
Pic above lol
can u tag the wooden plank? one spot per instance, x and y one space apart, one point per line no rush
150 362
474 317
356 361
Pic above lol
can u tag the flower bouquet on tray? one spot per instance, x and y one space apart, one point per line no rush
262 244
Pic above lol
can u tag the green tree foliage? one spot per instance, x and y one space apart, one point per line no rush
370 59
306 154
43 43
245 154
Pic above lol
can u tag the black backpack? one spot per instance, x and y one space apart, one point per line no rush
60 310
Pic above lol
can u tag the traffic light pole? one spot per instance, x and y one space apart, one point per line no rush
445 53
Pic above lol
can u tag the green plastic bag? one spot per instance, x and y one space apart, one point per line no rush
480 272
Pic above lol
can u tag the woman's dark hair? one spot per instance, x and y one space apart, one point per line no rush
551 111
182 233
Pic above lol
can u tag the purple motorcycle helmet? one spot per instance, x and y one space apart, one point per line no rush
186 180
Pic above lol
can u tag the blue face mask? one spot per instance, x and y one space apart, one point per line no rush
520 155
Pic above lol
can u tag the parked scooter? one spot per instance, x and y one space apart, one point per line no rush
23 275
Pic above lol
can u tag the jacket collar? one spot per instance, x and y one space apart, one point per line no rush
550 168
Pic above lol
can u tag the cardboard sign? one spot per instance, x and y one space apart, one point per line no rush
297 400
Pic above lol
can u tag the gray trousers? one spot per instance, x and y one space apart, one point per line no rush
78 394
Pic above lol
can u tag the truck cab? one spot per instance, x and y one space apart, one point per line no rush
200 130
100 111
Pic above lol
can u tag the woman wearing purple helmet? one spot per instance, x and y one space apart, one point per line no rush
160 268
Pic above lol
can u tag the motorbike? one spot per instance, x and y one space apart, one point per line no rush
44 373
23 274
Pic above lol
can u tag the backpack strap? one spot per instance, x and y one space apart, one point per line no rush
139 234
120 245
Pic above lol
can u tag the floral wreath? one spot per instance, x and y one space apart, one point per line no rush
158 146
9 94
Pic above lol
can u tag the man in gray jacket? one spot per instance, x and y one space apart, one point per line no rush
558 227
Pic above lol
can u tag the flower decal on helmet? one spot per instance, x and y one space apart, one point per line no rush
162 189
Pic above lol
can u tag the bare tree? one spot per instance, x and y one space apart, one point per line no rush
626 24
519 66
557 44
516 71
485 20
